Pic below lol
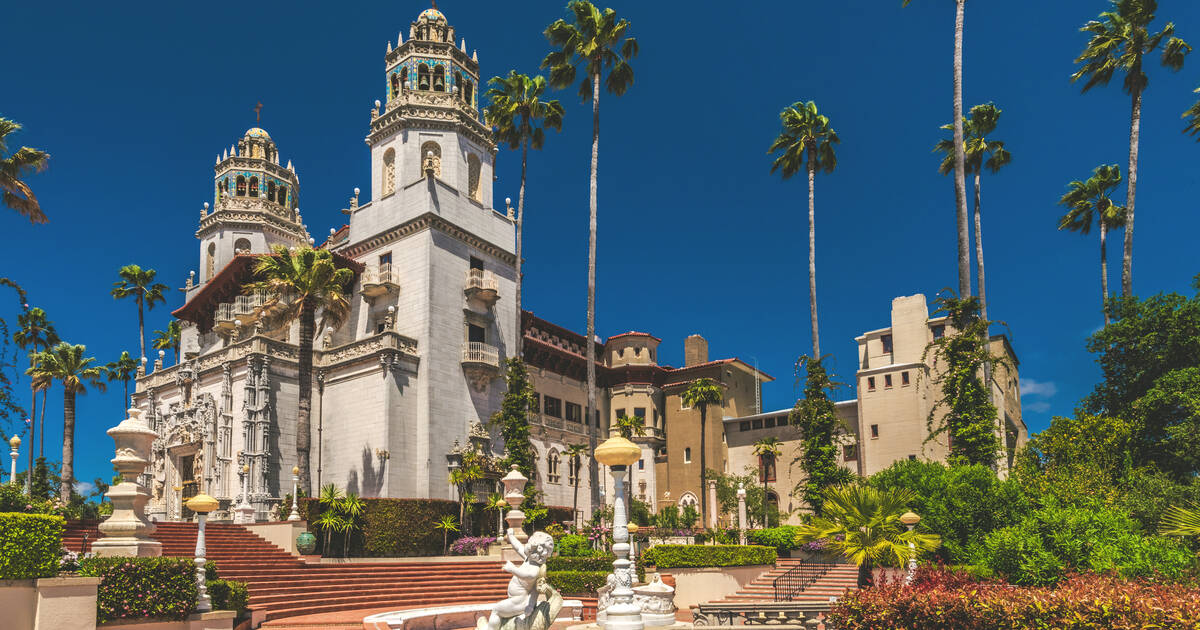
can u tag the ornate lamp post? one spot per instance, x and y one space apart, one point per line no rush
295 515
514 493
201 504
15 443
618 454
243 513
178 503
910 520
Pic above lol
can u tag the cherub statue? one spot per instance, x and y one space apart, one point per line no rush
528 581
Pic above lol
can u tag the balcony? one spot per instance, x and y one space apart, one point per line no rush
248 308
482 286
381 280
481 362
224 317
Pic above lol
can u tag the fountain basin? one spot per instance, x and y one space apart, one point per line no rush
451 617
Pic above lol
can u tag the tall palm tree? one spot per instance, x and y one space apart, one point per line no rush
595 43
66 364
35 333
19 164
806 142
122 370
1120 40
768 450
168 338
960 182
520 116
302 282
139 284
1088 201
863 524
574 455
981 122
1192 115
701 393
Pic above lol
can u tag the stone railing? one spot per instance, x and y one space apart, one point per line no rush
478 352
387 340
480 280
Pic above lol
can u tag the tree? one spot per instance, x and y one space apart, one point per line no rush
727 501
968 416
169 338
36 333
462 478
513 419
981 122
122 370
1087 200
1192 115
351 509
520 117
139 284
574 455
303 281
66 364
18 165
768 451
863 525
627 427
595 43
447 524
960 182
806 141
815 418
1120 40
701 393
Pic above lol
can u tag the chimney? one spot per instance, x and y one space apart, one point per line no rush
695 350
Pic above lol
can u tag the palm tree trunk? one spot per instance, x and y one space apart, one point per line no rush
960 182
575 501
703 462
766 523
304 412
141 326
125 401
591 296
68 454
979 249
812 253
1135 124
32 425
1104 268
42 424
866 574
520 228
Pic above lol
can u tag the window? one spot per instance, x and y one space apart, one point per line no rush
573 466
887 381
640 412
688 499
439 79
886 340
210 268
422 77
552 461
476 334
574 412
281 197
769 423
431 157
241 246
939 331
468 92
241 186
904 378
850 452
687 456
874 430
552 406
620 413
766 468
476 263
870 383
388 183
395 84
641 464
458 84
270 191
912 458
744 425
385 259
756 423
253 186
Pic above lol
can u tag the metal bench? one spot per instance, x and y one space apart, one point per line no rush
779 614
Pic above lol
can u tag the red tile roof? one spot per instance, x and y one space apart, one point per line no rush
634 333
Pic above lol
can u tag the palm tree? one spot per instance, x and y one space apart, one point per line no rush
447 524
520 116
863 524
701 393
628 427
351 509
960 182
168 338
1087 201
302 282
1120 40
806 142
595 43
139 284
35 332
330 520
1192 115
462 478
1178 521
66 364
768 450
574 454
122 370
981 122
21 163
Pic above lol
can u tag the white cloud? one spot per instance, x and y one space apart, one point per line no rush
1030 387
84 487
1040 406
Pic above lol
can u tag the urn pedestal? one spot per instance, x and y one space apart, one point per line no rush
127 531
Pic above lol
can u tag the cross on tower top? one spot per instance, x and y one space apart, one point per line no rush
258 112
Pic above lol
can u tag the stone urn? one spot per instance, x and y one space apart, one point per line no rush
306 543
657 601
127 531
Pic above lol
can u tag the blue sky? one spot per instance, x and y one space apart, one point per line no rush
135 99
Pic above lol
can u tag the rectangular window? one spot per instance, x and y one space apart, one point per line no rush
770 423
887 381
766 468
904 378
744 425
912 458
939 331
639 412
620 413
870 383
553 407
687 455
874 430
476 333
385 259
756 423
574 412
850 452
886 340
476 263
641 464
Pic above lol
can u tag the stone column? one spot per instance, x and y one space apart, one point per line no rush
714 509
741 496
127 531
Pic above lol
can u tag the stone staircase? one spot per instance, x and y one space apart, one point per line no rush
835 582
282 585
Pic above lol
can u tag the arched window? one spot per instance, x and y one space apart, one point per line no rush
210 267
458 83
388 185
281 196
474 190
573 466
270 191
552 461
241 186
687 455
241 246
468 91
439 79
431 151
253 186
395 84
422 77
688 499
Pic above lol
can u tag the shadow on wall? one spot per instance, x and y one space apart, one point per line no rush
373 465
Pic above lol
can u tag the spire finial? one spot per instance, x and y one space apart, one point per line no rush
258 112
434 4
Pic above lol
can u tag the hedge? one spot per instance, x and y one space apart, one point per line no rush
782 538
391 527
138 588
684 556
229 595
29 545
601 563
943 600
577 582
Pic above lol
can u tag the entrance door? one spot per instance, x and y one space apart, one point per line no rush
190 487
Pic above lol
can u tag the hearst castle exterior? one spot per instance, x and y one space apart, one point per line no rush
408 383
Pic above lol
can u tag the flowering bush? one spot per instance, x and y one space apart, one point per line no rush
134 588
470 545
941 599
68 561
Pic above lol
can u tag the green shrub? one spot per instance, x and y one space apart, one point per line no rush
574 546
599 562
392 527
781 538
139 588
229 595
29 545
577 582
680 556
